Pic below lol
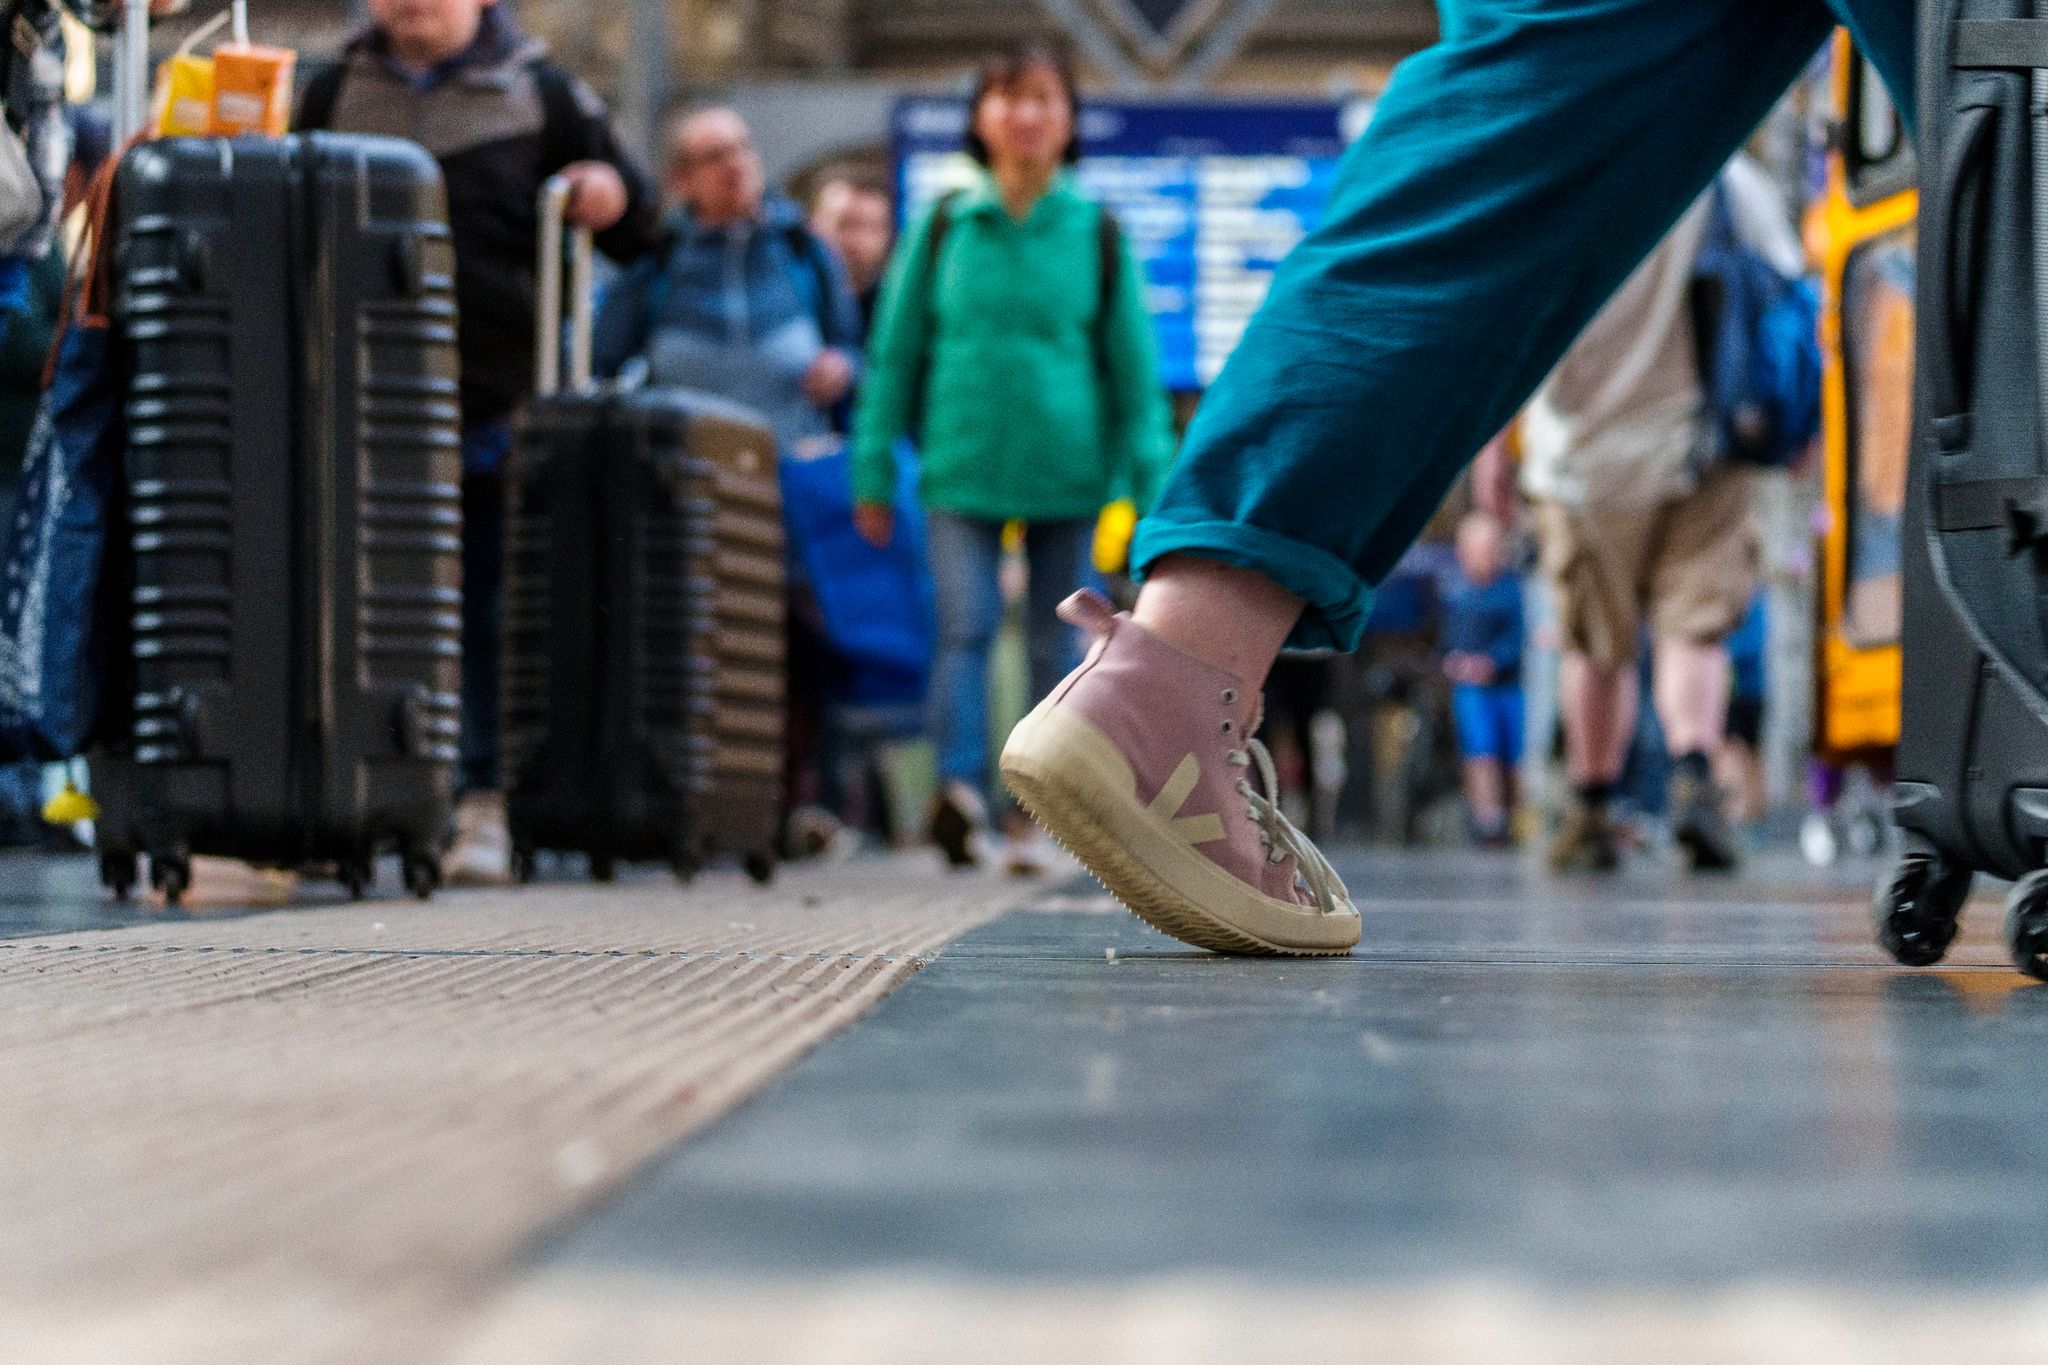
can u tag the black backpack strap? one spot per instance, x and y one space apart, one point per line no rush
935 239
1109 262
562 139
804 244
318 100
934 244
1109 257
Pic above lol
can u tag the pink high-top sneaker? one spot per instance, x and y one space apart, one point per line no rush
1142 764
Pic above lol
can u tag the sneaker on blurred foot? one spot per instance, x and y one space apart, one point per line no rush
958 816
482 852
810 832
1587 841
1699 823
1026 850
230 881
1142 764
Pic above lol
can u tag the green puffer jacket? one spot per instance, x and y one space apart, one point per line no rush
1031 406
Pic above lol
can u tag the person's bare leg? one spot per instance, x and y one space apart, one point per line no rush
1231 618
1692 688
1486 796
1597 708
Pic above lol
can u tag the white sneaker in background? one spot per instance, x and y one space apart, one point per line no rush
482 852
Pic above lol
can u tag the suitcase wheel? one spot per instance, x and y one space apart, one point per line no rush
760 866
172 876
356 875
422 875
522 865
603 867
117 874
686 867
1917 907
2026 924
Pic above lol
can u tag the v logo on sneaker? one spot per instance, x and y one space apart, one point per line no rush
1196 829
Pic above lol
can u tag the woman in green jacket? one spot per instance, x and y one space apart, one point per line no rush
1012 336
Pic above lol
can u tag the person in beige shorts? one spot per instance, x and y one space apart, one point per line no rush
1636 538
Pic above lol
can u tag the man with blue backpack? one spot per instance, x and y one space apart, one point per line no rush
1640 453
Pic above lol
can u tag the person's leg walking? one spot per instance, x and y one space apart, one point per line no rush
1511 178
1597 704
1705 575
1692 690
1057 555
482 850
966 557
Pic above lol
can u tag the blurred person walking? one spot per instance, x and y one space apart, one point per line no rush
1511 178
1013 341
1482 642
1739 763
32 270
459 78
744 300
856 216
1641 529
741 299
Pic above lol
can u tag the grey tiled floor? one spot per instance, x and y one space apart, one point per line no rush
1647 1084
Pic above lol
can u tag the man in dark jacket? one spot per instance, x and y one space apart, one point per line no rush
459 78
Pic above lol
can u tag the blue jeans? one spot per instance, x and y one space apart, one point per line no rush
966 556
483 591
1511 178
21 784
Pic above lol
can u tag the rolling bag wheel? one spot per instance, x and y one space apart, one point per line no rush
422 875
603 867
760 866
172 876
117 874
686 865
1917 907
2026 924
356 875
522 865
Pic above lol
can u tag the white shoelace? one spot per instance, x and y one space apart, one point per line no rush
1279 834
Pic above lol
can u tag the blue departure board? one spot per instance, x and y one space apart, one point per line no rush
1211 196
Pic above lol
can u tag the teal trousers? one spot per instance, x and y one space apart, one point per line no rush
1512 177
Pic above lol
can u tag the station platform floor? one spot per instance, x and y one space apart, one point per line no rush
878 1113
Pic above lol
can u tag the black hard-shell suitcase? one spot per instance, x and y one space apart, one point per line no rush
1972 779
286 599
644 603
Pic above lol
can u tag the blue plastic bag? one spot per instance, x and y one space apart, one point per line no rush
876 604
50 558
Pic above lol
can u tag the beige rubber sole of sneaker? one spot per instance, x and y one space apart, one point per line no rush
1074 782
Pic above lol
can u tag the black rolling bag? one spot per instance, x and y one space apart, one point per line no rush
1972 788
285 580
644 602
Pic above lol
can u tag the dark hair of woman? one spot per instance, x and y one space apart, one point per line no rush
1004 69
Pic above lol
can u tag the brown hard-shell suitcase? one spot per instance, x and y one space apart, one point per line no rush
644 617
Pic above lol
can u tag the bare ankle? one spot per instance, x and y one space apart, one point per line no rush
1233 618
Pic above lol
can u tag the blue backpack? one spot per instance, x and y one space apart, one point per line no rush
1757 338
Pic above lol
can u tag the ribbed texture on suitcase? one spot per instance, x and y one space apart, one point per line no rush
644 602
293 636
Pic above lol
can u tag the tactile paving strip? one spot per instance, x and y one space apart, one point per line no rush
316 1135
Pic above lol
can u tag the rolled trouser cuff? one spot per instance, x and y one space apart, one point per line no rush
1338 600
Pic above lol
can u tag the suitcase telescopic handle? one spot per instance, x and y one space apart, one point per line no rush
554 210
